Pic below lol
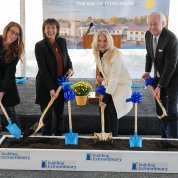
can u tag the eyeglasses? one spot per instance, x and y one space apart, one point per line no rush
14 33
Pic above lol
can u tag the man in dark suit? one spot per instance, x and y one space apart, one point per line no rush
164 58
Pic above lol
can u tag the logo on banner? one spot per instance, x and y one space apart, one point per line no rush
58 164
157 167
103 157
14 155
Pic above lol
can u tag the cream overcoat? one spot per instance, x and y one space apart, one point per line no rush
116 80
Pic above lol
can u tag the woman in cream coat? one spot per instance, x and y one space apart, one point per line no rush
115 77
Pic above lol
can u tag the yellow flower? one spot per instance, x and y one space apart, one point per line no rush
82 88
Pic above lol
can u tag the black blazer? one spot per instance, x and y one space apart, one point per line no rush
47 68
166 57
7 79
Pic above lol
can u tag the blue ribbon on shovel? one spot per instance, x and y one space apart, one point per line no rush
136 97
101 90
70 138
69 94
150 81
61 79
135 141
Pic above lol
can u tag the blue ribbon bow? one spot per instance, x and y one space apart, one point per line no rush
69 94
136 97
61 79
101 90
150 81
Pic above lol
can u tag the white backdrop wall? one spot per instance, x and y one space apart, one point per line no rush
81 59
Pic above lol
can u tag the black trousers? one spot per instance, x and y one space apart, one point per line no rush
54 117
111 121
169 98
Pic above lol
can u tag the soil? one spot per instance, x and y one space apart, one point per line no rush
89 144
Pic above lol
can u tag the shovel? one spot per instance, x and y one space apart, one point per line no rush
12 128
37 126
164 113
135 141
70 138
102 136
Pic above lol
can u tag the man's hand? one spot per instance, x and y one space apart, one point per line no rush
157 92
146 75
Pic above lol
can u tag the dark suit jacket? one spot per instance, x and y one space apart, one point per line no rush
7 79
47 75
166 58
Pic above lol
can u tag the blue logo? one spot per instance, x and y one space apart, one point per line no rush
102 157
148 166
89 156
52 164
43 164
135 166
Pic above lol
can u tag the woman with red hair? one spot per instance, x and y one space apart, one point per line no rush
11 50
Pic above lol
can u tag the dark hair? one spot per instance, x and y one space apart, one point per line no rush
51 22
16 49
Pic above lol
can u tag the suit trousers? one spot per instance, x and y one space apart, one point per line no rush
54 117
169 124
111 121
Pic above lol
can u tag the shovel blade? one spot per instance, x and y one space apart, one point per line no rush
71 138
103 136
14 130
135 141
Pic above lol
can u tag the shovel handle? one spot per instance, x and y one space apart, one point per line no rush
160 104
136 114
49 104
4 110
102 114
70 115
102 118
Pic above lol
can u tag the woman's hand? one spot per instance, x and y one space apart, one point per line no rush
99 79
69 73
1 95
53 94
102 104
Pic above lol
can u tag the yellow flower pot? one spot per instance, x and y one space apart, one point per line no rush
81 100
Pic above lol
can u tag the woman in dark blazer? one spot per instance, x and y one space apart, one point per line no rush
53 62
11 49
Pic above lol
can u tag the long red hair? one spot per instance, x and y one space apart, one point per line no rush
16 49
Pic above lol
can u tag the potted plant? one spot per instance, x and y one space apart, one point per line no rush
82 89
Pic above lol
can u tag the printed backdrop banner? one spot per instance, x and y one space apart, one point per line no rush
121 17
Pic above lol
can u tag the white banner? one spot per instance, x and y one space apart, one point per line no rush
89 160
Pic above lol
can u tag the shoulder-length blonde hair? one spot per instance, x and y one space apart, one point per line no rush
111 49
16 49
110 42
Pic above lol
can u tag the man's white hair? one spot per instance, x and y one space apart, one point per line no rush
161 17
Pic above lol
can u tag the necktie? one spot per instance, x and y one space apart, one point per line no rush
154 45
